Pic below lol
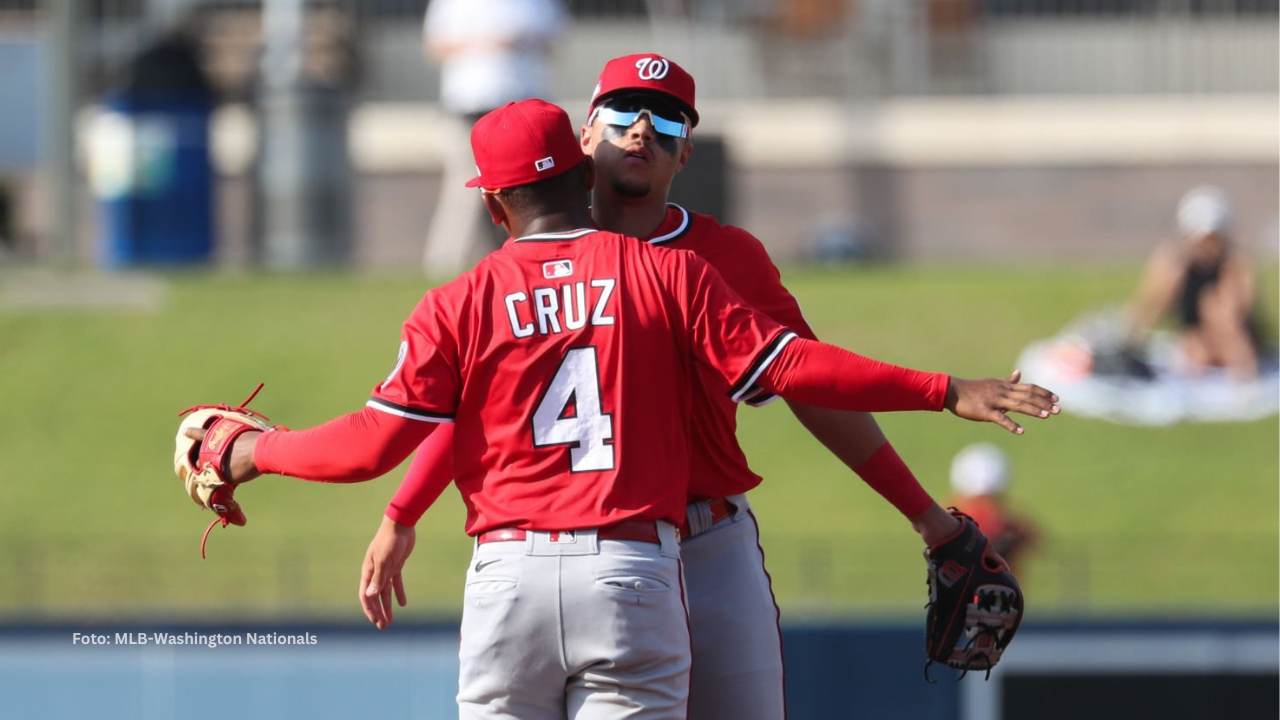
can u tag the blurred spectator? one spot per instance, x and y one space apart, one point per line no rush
490 52
169 67
1207 285
979 480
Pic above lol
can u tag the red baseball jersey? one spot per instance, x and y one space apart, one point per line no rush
569 362
719 465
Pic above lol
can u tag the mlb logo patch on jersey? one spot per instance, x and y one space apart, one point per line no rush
557 269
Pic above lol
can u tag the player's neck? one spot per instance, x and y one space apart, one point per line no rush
552 222
634 217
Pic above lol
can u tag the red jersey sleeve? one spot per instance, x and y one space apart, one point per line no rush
748 269
814 373
762 284
426 381
730 336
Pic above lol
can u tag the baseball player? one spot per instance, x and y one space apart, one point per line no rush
980 477
638 133
567 362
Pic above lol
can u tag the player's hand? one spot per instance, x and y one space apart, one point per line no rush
381 571
989 400
240 465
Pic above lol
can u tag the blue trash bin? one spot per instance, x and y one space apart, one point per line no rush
158 207
152 172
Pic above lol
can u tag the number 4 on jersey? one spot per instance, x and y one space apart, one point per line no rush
577 380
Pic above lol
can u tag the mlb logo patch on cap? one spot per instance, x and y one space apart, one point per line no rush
557 269
523 142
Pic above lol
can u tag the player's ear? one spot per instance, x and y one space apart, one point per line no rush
584 139
497 213
686 150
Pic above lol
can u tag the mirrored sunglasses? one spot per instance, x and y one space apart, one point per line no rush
626 115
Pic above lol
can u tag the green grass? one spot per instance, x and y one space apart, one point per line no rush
92 522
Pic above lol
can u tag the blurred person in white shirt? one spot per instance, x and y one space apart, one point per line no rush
490 52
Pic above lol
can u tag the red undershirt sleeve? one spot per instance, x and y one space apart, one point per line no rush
352 448
429 474
887 474
814 373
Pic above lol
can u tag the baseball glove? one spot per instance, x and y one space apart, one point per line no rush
975 604
202 465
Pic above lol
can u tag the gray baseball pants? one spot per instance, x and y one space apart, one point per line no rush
565 626
737 645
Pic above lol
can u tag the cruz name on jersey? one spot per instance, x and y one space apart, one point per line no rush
553 310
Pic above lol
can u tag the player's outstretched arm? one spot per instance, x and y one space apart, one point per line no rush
352 448
815 373
852 436
856 439
758 356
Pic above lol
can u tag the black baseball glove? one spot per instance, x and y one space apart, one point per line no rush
975 604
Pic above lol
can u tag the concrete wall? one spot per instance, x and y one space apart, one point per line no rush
974 179
1042 213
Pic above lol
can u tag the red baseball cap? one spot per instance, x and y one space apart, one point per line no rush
646 71
523 142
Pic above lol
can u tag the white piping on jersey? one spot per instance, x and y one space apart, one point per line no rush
761 399
565 235
388 409
750 384
684 225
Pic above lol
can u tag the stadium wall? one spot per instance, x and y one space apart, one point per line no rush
923 179
979 179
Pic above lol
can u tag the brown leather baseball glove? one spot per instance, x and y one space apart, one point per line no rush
202 466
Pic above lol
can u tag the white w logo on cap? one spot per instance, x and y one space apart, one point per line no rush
652 68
